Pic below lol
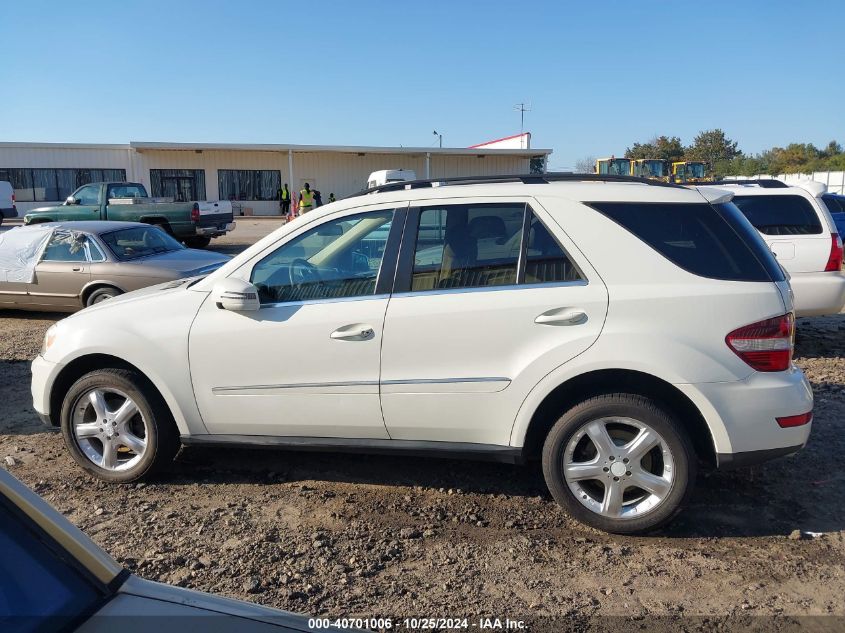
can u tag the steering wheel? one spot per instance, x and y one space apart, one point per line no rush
303 272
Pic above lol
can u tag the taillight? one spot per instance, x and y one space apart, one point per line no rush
834 260
766 345
195 213
795 420
13 198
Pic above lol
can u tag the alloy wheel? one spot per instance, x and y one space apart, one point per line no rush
109 429
618 467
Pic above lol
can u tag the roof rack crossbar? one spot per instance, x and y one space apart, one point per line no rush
523 178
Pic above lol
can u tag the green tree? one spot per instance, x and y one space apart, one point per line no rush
712 146
666 147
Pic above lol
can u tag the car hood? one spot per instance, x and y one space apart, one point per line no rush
185 262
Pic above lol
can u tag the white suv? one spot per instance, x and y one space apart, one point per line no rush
620 330
797 226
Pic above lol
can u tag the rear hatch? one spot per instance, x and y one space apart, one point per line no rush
796 232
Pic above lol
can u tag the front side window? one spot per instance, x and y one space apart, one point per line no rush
142 241
339 258
35 579
89 195
780 215
468 246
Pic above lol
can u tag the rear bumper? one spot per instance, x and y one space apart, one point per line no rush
9 213
818 293
216 230
742 415
728 461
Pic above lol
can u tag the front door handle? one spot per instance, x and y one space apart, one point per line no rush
354 332
562 316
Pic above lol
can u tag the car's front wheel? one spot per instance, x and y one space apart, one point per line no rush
117 426
620 463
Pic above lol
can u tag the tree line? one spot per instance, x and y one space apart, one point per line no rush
724 158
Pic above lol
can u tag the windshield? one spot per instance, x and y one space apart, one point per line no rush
141 241
650 168
36 582
695 170
615 167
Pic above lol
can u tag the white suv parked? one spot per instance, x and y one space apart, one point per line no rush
620 330
797 226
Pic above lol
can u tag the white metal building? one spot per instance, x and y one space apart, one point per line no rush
248 174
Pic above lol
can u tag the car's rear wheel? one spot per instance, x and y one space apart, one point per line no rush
620 463
197 242
102 294
117 426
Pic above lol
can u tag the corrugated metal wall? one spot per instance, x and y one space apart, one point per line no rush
329 172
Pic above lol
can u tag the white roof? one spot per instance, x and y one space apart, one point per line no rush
142 146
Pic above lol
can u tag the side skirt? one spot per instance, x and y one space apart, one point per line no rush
449 450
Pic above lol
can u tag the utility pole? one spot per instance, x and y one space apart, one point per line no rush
439 137
522 108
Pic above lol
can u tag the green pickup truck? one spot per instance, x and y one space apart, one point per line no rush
194 223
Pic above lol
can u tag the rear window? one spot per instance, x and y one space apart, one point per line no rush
835 204
780 215
709 241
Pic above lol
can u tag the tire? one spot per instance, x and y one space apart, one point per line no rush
590 491
86 431
101 294
197 242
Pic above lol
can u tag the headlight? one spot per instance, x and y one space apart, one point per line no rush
49 338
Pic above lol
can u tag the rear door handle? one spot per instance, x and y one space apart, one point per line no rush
77 269
354 332
562 316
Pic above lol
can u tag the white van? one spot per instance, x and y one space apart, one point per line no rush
384 176
7 201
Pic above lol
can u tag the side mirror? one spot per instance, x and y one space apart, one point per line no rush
70 201
236 295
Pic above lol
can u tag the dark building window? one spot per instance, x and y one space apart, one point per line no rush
537 165
54 185
182 185
249 184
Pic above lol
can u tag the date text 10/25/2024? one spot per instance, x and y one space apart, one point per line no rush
418 624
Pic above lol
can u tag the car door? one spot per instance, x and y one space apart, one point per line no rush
87 206
307 362
62 273
489 298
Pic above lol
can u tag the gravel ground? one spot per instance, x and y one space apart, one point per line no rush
351 535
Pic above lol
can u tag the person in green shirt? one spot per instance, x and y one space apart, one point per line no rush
284 199
306 199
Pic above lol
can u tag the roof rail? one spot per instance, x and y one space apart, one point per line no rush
528 179
767 183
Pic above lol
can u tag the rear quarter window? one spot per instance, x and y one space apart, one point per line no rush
780 215
708 241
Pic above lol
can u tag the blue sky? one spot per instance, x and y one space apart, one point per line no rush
599 76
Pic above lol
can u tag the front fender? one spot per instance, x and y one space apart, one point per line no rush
149 331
